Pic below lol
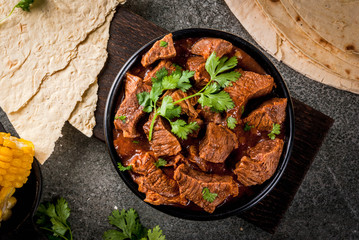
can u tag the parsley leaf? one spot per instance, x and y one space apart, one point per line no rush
247 127
168 109
170 82
275 131
123 168
163 43
129 227
123 118
135 141
231 122
160 163
156 234
145 101
23 4
220 101
182 129
183 83
215 66
208 196
52 218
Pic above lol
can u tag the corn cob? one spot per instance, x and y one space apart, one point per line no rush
16 157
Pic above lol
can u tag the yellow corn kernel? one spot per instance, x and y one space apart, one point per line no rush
4 165
5 151
10 144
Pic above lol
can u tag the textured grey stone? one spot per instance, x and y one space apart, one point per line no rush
325 207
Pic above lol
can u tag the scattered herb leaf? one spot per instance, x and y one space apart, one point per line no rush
208 196
247 127
163 43
123 168
129 227
23 4
231 122
52 218
242 109
160 163
135 141
123 118
275 131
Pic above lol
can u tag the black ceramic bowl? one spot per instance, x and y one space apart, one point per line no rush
231 208
28 198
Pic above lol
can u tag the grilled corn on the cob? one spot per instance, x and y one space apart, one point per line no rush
16 157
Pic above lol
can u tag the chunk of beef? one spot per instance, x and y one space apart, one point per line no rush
191 184
249 85
247 62
206 46
209 116
270 112
193 157
163 142
157 52
131 84
163 64
130 108
201 76
157 199
158 187
217 144
187 105
261 162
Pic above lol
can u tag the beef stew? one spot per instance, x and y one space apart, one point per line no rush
209 156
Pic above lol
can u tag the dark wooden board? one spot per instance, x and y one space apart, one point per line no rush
130 31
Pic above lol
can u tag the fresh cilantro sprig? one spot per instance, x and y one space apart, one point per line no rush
129 227
123 168
160 163
208 196
231 122
275 131
23 4
52 218
211 95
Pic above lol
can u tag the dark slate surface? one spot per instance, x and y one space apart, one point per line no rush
325 207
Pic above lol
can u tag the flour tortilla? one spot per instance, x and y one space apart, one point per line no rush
255 22
314 36
336 21
34 45
42 119
83 116
287 27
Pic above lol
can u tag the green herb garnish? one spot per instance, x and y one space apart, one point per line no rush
52 218
135 141
275 131
160 163
128 226
211 95
231 122
247 127
163 43
23 4
208 196
123 168
123 118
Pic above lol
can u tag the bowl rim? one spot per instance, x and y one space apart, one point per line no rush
264 62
